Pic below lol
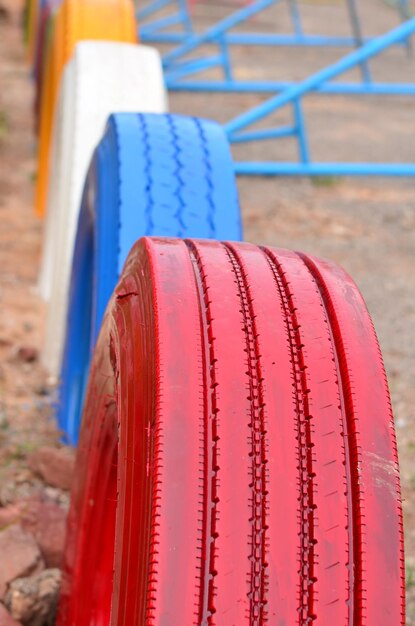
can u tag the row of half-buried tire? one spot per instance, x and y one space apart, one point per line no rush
182 163
237 462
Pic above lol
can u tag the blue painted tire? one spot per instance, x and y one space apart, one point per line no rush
151 174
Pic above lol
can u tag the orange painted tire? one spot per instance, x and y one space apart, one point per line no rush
75 20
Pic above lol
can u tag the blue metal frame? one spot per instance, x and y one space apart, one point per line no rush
179 72
153 30
293 96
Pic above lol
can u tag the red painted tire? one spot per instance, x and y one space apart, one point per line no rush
238 406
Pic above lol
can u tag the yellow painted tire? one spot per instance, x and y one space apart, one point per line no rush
75 20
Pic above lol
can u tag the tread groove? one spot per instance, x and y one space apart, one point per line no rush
178 174
148 174
207 159
258 579
351 448
156 435
347 449
211 438
305 456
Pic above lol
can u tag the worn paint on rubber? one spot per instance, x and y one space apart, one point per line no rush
238 449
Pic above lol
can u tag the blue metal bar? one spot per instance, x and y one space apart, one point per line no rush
316 80
197 65
187 22
301 131
163 22
267 133
358 35
324 169
152 30
217 30
404 9
152 8
296 17
226 61
265 39
337 88
161 37
269 39
405 12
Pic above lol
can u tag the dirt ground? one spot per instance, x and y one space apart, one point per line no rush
367 225
24 396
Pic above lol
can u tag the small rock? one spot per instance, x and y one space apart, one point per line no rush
59 496
9 515
12 491
42 390
4 422
23 476
27 354
6 619
47 522
4 13
55 465
34 600
20 555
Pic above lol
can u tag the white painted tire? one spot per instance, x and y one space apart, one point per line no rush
101 78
